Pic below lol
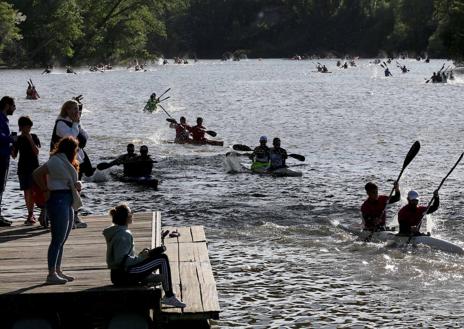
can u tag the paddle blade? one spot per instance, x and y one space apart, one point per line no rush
171 120
240 147
211 133
411 154
297 156
103 165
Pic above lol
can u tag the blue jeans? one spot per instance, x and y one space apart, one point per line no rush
61 216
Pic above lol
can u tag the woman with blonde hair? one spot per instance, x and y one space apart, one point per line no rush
58 179
68 124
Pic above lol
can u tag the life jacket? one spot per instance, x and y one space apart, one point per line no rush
55 138
182 133
277 157
261 154
198 133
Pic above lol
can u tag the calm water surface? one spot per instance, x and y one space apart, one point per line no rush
278 259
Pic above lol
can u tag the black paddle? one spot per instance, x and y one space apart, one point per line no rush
245 148
433 198
164 93
106 165
409 157
209 132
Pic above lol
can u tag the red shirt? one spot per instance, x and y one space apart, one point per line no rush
182 132
198 133
372 209
410 216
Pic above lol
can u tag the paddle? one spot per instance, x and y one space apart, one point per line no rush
34 87
162 100
106 165
245 148
164 93
166 111
209 132
433 198
409 157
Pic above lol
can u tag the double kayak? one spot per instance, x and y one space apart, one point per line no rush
233 165
403 240
207 142
149 181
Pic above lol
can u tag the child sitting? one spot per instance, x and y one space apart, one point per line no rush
126 266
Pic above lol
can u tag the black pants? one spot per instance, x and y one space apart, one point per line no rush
136 273
4 166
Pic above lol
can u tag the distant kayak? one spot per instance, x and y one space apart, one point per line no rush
402 240
208 142
143 181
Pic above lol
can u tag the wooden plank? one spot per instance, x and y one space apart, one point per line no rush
191 294
209 293
156 230
198 234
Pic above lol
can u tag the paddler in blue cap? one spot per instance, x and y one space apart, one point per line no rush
261 156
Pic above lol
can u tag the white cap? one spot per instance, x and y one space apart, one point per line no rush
263 139
413 195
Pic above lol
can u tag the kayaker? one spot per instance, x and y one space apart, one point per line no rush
198 132
142 165
125 160
373 209
182 131
404 69
130 268
387 72
277 156
29 92
410 216
324 69
152 103
261 155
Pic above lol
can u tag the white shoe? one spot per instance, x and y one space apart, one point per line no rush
173 301
55 279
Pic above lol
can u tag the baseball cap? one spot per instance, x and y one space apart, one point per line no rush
413 195
263 139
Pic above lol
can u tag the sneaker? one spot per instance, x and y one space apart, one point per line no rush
66 277
79 225
172 301
55 279
30 221
4 222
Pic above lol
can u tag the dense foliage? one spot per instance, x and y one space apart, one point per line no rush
87 31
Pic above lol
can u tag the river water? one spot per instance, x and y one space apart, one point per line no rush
278 258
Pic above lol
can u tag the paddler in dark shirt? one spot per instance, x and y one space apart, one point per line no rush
278 155
261 155
126 159
373 209
411 215
142 165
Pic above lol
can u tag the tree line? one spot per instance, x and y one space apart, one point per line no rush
39 32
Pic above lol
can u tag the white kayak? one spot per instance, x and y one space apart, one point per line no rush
401 240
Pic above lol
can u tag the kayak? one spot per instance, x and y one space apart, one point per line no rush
233 165
402 240
281 172
208 142
143 181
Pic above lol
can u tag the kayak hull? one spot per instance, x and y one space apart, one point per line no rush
149 181
282 172
402 240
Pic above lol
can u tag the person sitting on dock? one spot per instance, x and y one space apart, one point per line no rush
129 268
261 155
410 216
277 155
198 132
373 209
182 131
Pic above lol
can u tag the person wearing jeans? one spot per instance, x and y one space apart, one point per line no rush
58 179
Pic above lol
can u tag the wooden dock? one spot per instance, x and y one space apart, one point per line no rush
91 301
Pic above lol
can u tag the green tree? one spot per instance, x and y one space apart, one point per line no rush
9 30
